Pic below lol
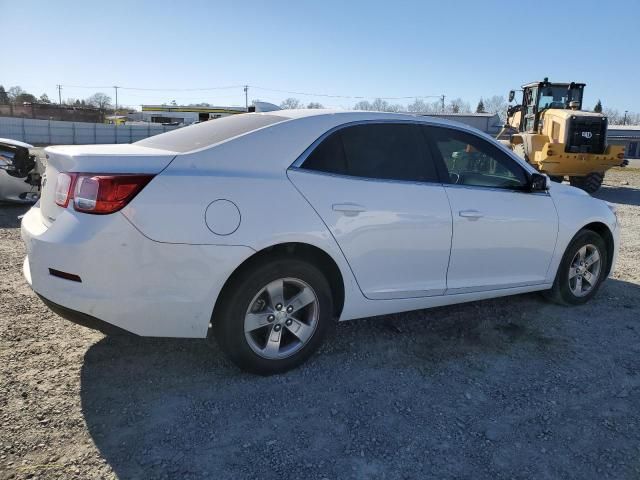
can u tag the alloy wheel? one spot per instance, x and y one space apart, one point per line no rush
281 318
584 270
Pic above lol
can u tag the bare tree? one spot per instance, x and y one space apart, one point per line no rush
14 92
18 96
457 105
496 104
291 103
613 115
418 106
379 105
99 100
362 105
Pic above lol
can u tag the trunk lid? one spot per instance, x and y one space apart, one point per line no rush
99 159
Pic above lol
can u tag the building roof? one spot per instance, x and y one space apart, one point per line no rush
624 132
186 108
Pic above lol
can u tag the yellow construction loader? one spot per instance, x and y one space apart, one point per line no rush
551 132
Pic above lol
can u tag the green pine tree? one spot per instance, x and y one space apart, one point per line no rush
480 107
4 97
598 107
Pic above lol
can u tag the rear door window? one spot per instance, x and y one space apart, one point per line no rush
386 151
328 156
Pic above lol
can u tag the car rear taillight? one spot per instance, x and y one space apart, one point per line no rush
102 194
64 188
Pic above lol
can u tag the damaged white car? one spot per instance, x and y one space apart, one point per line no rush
20 172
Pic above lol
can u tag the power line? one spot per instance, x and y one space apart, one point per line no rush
353 97
246 88
228 87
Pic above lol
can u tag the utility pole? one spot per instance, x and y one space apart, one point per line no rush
442 99
624 122
59 94
246 97
116 87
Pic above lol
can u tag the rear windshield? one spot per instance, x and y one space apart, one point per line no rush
210 132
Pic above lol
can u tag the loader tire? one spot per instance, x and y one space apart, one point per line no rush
589 183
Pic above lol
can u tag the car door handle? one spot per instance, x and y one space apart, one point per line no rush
349 209
471 214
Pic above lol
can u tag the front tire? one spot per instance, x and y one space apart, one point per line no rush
590 183
582 270
274 316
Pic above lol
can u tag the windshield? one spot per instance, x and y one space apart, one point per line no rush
559 97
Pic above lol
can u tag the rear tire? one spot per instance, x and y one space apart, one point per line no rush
274 316
556 178
582 270
590 183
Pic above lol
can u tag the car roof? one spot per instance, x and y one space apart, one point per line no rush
316 121
271 141
354 115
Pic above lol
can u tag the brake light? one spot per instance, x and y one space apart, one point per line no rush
102 194
64 188
620 156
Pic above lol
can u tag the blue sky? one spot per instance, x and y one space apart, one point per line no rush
461 49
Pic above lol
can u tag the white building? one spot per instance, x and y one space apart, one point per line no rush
185 115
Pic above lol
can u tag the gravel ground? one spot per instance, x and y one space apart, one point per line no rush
509 388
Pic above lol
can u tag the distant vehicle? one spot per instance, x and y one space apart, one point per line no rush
262 229
550 130
19 172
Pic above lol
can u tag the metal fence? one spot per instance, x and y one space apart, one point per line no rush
53 132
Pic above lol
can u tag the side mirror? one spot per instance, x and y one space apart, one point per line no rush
538 182
512 95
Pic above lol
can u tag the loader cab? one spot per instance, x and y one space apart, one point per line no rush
540 96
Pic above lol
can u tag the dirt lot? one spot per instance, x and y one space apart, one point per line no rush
509 388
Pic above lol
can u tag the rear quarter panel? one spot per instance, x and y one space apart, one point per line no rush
251 172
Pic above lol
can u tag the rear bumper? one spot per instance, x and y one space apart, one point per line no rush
84 319
127 281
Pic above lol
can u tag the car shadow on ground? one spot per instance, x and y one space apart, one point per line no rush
445 392
622 195
10 213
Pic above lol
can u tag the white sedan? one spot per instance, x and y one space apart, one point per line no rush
260 230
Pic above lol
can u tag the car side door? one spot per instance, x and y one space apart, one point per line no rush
376 188
504 234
